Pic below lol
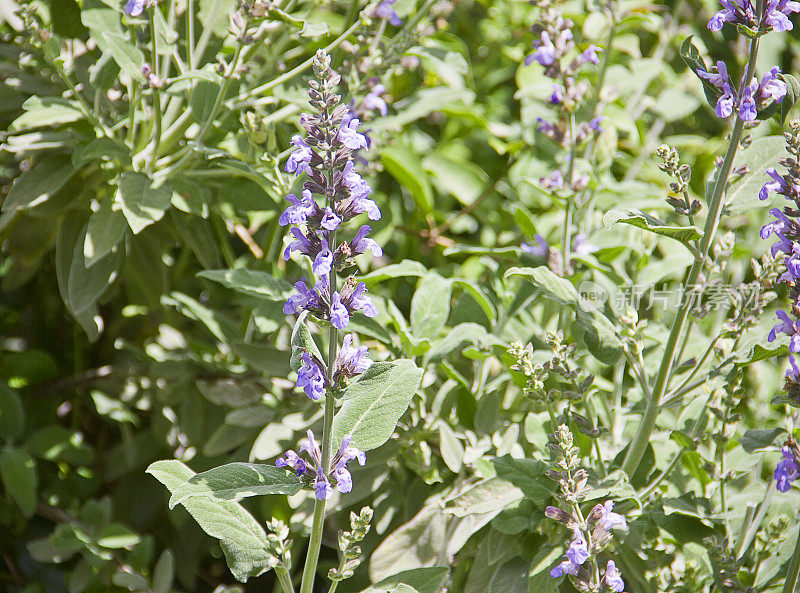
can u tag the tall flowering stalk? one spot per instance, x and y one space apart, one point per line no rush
745 101
592 533
333 194
556 51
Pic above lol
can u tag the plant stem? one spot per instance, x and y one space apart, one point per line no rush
792 584
156 95
190 28
648 423
284 579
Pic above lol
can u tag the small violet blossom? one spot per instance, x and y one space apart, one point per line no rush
743 12
339 472
613 578
789 327
786 471
541 249
386 11
135 7
577 553
310 378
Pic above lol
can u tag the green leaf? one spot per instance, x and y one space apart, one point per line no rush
526 474
234 481
404 165
87 283
451 448
511 577
313 29
684 234
115 535
423 580
125 54
757 438
242 538
463 332
105 230
38 184
375 402
45 112
99 149
12 414
264 359
223 328
164 572
791 97
764 152
142 202
691 55
599 334
430 306
302 340
407 267
18 474
249 282
479 295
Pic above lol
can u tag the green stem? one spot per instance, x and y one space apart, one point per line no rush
284 579
190 28
156 95
648 423
792 584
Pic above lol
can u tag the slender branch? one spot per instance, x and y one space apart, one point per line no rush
156 95
284 579
648 423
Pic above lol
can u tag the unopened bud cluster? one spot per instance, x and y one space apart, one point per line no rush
682 174
349 545
279 544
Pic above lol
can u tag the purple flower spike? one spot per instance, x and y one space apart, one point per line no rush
777 14
545 52
292 459
613 578
786 471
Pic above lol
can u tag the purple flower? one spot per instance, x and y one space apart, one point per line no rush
322 487
359 301
612 578
545 52
788 327
786 471
351 361
298 161
724 106
554 181
302 243
361 243
594 124
350 137
340 316
582 247
793 374
541 249
330 221
609 519
577 552
772 87
385 11
310 378
747 106
300 210
305 298
590 55
292 459
135 7
374 100
557 95
323 262
777 12
728 15
779 184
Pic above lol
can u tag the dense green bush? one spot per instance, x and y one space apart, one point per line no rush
143 288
